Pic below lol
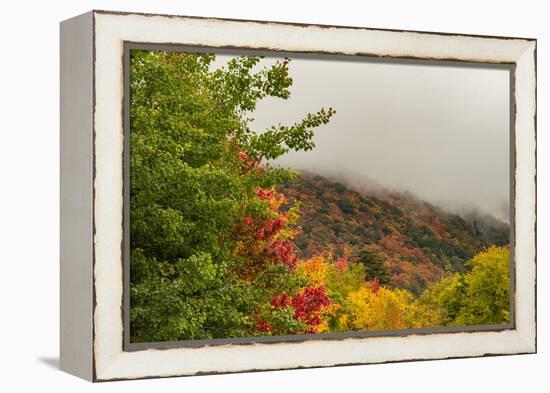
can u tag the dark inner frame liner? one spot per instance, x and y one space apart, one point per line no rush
125 309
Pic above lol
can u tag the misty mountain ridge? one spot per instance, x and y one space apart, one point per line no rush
357 181
419 241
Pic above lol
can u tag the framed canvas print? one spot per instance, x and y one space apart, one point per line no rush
246 195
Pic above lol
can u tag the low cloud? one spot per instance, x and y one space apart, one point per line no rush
439 132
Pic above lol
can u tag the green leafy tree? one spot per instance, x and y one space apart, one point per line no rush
196 166
479 297
487 299
375 267
442 302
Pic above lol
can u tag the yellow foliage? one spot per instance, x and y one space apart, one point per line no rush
480 296
315 269
327 313
276 201
421 315
377 310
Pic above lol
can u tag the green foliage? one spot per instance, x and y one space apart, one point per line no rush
479 297
195 168
487 289
342 282
445 299
375 267
345 206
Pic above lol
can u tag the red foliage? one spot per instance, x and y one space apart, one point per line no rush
375 285
281 301
307 305
282 251
270 227
342 263
263 326
265 194
308 302
266 233
249 163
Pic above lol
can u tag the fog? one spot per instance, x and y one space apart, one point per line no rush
439 132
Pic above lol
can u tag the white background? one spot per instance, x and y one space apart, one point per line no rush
29 204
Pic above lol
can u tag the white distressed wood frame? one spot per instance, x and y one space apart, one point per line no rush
92 194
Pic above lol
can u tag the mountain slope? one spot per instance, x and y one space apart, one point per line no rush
418 241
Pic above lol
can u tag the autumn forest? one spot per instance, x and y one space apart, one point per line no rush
225 244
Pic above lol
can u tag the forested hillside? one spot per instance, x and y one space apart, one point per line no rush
418 241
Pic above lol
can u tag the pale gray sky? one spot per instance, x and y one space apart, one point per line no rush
440 132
